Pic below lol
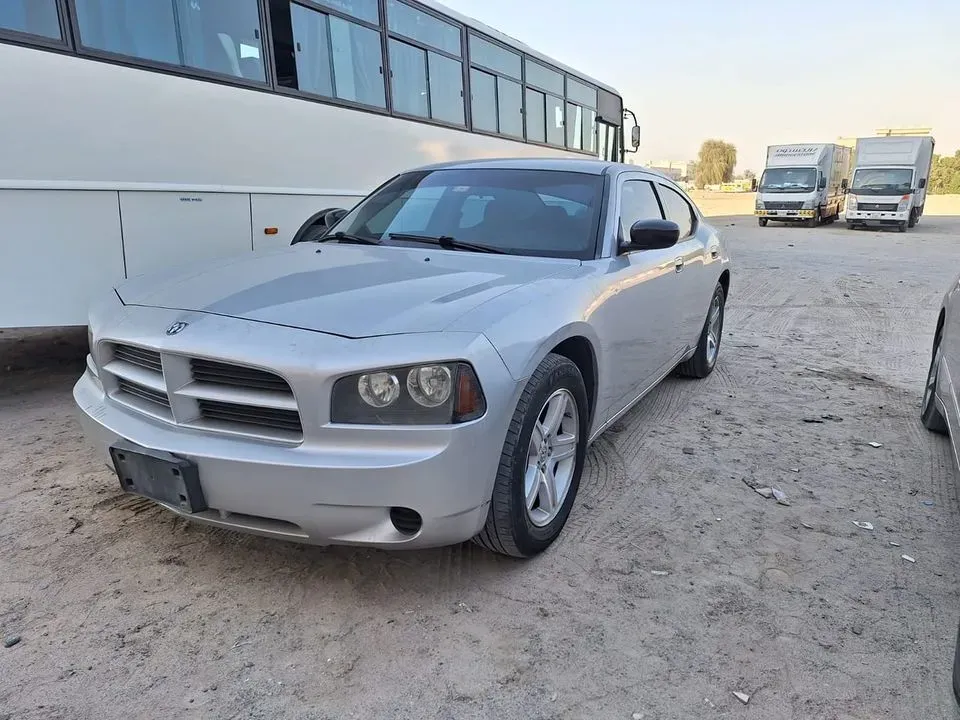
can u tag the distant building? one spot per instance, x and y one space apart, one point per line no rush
674 169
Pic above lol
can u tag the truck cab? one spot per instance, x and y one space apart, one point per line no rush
889 181
803 183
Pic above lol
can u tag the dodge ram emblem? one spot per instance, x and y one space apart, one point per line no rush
177 327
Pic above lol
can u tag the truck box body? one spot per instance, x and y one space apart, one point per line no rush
889 182
803 182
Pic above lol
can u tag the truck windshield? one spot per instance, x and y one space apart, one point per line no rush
882 181
789 180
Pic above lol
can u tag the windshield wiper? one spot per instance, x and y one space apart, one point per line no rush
446 242
348 238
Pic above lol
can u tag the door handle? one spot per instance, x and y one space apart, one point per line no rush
678 264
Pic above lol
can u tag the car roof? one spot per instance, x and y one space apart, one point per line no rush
581 165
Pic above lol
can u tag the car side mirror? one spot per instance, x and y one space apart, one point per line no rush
333 216
822 184
652 235
635 137
923 183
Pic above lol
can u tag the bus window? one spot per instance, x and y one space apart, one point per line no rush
36 17
334 57
221 36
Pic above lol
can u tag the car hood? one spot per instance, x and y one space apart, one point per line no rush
345 290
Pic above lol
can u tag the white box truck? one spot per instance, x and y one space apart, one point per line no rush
890 179
803 183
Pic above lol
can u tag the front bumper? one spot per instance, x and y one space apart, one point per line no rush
877 216
335 494
786 214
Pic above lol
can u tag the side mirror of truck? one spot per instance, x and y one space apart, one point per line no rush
844 184
923 183
635 137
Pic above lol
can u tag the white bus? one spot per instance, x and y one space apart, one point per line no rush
141 134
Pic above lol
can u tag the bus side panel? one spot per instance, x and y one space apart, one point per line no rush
174 229
288 213
58 249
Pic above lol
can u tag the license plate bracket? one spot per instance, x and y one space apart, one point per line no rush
159 476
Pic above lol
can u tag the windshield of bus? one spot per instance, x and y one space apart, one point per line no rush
541 213
789 180
882 181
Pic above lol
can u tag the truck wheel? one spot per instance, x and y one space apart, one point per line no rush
912 222
815 220
851 225
902 226
762 221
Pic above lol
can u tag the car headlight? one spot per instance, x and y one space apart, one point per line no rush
441 393
904 204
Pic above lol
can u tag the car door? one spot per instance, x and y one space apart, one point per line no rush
694 284
635 311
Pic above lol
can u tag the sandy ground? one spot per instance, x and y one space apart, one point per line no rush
722 204
126 611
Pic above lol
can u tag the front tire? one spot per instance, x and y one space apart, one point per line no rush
815 220
912 222
929 413
541 462
902 226
708 348
763 222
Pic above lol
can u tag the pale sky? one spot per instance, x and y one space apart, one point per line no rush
754 72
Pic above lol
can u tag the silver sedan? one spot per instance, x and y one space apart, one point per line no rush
426 368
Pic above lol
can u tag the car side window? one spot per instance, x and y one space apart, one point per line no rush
678 210
637 202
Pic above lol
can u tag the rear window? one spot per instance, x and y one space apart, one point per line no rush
524 212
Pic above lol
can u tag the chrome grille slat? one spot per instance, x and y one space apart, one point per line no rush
219 396
261 417
148 359
783 204
223 374
144 393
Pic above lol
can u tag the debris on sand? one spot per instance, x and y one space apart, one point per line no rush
764 492
10 640
660 573
875 445
688 451
781 497
742 697
894 544
863 525
813 421
908 558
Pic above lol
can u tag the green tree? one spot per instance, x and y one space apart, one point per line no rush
945 175
715 163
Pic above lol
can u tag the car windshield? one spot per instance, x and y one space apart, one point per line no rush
882 181
789 180
545 213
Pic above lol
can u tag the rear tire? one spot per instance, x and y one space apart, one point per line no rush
704 358
524 517
763 222
929 412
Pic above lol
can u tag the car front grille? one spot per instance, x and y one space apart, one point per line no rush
877 207
783 205
201 393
